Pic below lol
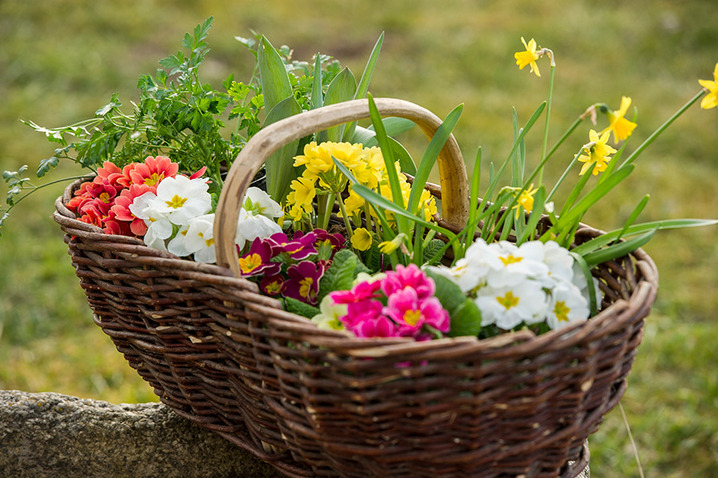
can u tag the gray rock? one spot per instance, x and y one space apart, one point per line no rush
53 435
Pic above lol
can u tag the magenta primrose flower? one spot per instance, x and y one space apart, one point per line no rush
303 282
258 260
401 304
299 247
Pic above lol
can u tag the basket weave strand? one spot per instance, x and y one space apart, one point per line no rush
322 403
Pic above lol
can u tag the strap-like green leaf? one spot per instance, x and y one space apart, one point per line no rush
341 89
273 75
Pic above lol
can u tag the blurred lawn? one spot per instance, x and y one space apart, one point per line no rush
62 60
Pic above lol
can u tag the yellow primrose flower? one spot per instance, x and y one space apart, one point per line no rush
361 239
353 203
370 170
621 127
599 153
528 57
302 194
429 205
711 99
315 162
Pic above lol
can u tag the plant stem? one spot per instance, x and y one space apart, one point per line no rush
548 120
662 128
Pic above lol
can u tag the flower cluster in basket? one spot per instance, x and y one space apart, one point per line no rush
342 225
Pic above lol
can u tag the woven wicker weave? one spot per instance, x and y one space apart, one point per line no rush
322 403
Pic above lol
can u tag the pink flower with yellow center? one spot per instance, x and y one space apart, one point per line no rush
153 171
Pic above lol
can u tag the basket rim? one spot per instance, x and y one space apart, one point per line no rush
607 321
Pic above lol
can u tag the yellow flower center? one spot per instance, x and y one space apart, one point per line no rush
510 259
249 263
509 300
561 311
176 202
154 178
105 197
274 287
412 317
305 286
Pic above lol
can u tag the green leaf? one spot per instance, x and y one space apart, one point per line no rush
465 314
363 87
611 236
340 275
617 250
279 166
434 246
593 196
341 89
317 95
273 75
300 308
430 156
46 165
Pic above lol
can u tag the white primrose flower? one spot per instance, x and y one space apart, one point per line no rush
258 202
559 262
182 199
579 280
517 263
567 305
251 227
509 306
197 238
159 228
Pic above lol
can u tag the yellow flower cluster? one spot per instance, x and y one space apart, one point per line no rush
321 176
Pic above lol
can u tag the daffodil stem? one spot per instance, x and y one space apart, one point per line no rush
563 176
347 224
662 128
548 120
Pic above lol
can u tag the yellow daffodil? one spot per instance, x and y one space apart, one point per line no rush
361 239
711 99
526 200
598 153
387 247
621 127
528 57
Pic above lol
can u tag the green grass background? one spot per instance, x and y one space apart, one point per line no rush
61 60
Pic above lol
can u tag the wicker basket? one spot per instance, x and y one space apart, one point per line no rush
322 403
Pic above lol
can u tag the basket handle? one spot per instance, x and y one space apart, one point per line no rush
452 171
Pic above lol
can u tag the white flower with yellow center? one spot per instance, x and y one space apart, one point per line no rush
182 199
197 238
508 307
517 263
567 305
159 228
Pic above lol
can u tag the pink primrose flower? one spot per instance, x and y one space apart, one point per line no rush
411 313
360 292
380 327
409 276
153 171
120 211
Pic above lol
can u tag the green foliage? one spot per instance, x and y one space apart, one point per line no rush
465 314
340 275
